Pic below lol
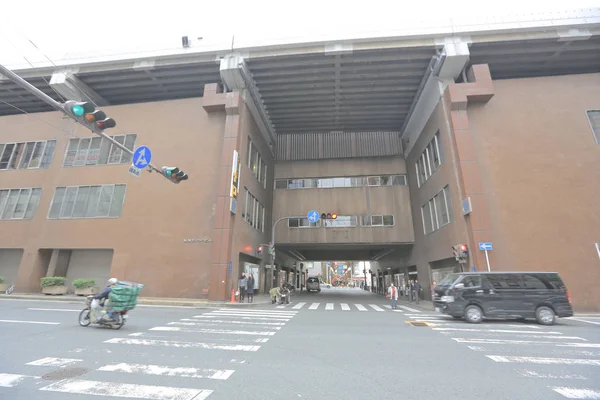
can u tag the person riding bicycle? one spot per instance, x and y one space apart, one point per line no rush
104 295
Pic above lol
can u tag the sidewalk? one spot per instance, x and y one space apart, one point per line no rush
259 300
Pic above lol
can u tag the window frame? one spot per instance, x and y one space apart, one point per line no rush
87 204
124 157
348 182
19 191
19 159
594 129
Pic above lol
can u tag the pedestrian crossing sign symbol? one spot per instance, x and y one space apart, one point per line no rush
141 157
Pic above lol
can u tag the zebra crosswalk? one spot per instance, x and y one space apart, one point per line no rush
182 346
565 363
327 306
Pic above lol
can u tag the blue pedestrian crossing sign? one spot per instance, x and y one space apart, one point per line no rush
313 216
142 157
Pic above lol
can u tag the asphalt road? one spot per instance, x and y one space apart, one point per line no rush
350 345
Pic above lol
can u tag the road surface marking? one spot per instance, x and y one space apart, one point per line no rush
236 361
14 321
237 317
299 306
504 341
114 389
223 331
345 307
54 362
177 344
493 330
264 315
329 306
274 312
160 370
253 314
409 309
594 345
53 309
190 322
11 380
314 306
534 374
543 360
575 393
360 307
387 306
136 334
376 308
546 337
583 320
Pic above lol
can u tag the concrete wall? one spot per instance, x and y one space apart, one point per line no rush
10 259
390 200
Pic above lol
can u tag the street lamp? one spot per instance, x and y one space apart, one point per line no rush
365 271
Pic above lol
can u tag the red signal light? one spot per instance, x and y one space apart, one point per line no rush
463 247
107 123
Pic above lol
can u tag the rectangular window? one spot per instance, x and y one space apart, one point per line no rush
438 211
102 201
254 212
98 151
429 161
341 182
19 203
257 164
377 220
302 223
594 118
26 155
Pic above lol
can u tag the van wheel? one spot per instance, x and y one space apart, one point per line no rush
545 315
473 314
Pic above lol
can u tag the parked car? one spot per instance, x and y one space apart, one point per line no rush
477 295
327 285
313 284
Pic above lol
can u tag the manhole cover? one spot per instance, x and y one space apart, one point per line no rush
418 323
64 374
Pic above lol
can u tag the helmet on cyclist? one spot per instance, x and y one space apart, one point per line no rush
112 281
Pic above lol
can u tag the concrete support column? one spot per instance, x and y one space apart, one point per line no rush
33 267
53 262
480 89
221 282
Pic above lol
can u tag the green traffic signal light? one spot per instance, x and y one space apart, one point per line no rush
78 110
82 108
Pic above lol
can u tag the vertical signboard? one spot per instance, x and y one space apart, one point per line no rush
235 182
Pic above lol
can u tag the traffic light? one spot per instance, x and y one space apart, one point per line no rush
259 250
461 253
87 114
174 174
329 216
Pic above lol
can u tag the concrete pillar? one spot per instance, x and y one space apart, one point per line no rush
53 262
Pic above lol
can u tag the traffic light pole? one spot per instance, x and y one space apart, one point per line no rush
272 244
59 107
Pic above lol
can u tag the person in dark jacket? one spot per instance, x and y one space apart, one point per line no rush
250 287
106 292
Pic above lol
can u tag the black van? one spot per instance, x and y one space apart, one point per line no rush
475 295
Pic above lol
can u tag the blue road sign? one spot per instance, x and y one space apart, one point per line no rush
313 216
485 246
230 268
142 157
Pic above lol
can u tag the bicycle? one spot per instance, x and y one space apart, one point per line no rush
10 289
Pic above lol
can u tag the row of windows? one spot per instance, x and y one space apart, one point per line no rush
254 212
98 151
27 155
341 182
257 164
438 211
430 160
514 281
101 201
19 203
343 221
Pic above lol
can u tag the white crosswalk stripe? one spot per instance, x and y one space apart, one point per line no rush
329 306
376 308
547 354
222 331
314 306
345 307
360 307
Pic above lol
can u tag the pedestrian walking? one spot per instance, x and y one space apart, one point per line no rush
242 285
250 288
393 292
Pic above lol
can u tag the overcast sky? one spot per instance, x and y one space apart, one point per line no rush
117 26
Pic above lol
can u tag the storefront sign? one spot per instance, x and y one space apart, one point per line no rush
197 240
235 182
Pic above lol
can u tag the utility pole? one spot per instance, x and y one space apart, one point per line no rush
272 244
95 120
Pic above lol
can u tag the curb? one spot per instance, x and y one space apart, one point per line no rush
142 302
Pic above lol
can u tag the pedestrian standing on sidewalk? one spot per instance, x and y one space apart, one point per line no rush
393 292
250 287
417 290
242 284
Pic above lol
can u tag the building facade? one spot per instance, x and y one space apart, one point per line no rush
417 144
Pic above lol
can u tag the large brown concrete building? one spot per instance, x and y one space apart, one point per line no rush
418 143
